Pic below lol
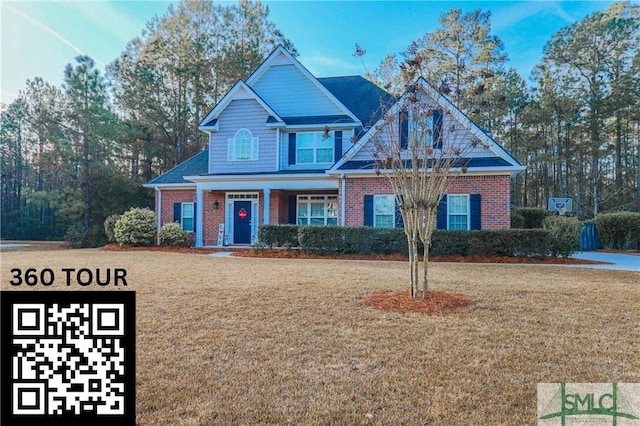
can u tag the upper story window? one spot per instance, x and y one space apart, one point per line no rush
422 126
243 146
314 147
427 128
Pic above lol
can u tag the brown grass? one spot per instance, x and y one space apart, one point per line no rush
232 341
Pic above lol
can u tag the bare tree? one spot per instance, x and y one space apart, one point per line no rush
421 144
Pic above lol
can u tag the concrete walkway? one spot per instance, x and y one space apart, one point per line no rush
619 261
221 254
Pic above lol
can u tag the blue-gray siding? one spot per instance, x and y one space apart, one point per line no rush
243 114
290 93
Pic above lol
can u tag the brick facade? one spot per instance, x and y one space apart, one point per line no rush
494 192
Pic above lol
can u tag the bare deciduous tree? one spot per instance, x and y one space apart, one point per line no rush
421 144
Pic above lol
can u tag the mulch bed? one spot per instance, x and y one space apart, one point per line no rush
296 254
166 249
439 302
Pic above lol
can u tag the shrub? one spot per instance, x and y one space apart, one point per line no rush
278 236
517 221
352 240
367 240
565 234
618 230
533 216
501 242
171 234
136 227
109 227
75 235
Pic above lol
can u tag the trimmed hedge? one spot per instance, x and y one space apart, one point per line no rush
533 216
367 240
270 236
500 242
618 230
517 221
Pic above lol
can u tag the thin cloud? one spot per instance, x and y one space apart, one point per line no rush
512 16
107 17
44 28
320 64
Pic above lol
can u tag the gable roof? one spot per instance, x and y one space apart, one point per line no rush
196 165
281 56
361 96
239 91
459 116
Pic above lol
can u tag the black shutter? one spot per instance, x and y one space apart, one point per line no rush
368 210
337 145
437 129
441 220
292 148
403 118
177 212
475 211
399 221
293 205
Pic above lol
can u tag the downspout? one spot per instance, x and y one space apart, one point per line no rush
343 200
158 214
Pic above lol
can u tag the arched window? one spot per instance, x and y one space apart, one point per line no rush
243 146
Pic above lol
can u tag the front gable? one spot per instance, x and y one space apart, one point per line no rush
293 92
240 91
486 156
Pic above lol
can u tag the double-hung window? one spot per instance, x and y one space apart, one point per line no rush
384 207
186 216
243 146
317 210
458 212
314 147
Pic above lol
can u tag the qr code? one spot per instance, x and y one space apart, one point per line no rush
72 357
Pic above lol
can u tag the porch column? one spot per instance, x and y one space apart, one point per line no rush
199 216
267 207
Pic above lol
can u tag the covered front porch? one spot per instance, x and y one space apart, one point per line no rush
230 209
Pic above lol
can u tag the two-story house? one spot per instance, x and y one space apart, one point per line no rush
270 160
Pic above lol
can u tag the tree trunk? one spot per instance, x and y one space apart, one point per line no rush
425 272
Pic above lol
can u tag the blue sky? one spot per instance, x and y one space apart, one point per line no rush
39 38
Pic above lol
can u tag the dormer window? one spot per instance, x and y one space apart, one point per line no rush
242 147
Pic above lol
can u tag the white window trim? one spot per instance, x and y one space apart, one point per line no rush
393 213
449 214
231 147
315 148
182 216
326 199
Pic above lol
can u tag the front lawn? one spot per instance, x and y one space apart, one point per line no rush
257 341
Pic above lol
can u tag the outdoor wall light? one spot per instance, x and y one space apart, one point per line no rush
216 204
